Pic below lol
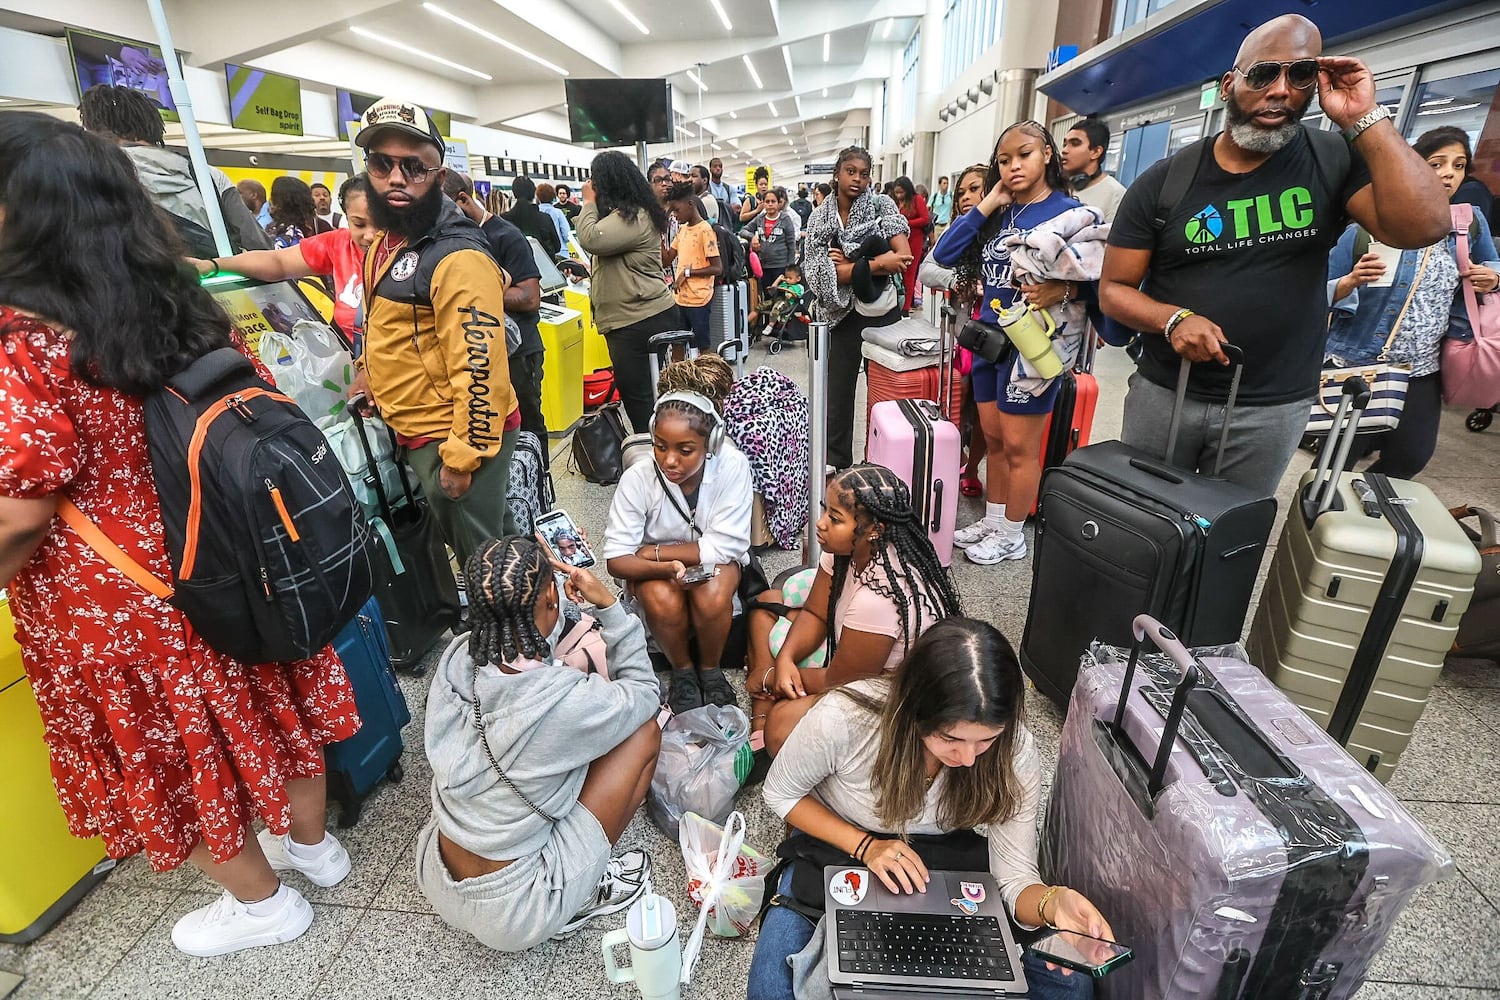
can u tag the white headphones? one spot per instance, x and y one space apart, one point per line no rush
700 402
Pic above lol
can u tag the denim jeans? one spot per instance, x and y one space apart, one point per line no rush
785 932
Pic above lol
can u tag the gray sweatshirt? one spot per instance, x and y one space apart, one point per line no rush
168 176
545 727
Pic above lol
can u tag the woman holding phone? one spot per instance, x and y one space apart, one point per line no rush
893 774
679 529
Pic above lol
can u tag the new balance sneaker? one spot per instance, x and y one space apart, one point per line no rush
228 925
685 694
974 533
328 867
996 547
625 880
716 687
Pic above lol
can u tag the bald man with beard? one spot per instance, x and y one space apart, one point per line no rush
1241 256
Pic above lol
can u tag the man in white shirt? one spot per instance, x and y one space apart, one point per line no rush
323 200
1083 152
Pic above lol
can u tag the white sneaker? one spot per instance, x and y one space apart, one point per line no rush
974 533
227 925
627 878
997 547
328 869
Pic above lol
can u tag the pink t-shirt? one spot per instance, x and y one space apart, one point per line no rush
335 254
864 610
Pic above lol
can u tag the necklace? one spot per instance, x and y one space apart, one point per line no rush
1015 218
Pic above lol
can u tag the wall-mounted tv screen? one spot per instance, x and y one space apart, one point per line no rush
122 62
350 106
612 112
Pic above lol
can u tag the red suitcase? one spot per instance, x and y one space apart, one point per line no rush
884 383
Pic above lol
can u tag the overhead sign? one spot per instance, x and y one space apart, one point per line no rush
456 155
263 102
750 177
1060 55
818 169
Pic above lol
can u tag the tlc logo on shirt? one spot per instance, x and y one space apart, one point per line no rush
1246 222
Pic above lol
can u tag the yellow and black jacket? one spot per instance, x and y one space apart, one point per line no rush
435 341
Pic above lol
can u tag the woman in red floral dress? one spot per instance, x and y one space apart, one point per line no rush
158 743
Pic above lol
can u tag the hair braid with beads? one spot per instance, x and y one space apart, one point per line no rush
708 375
912 579
506 577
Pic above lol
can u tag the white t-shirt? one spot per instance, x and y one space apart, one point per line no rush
830 755
641 513
1104 194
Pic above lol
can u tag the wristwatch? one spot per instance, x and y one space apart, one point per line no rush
1378 113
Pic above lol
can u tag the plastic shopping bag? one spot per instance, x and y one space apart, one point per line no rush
730 894
311 365
705 757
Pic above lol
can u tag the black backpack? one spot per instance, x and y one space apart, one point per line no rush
267 542
198 242
732 253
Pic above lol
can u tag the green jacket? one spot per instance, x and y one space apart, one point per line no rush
627 284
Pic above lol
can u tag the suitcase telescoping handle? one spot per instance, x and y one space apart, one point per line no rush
1354 396
1166 640
372 468
1237 370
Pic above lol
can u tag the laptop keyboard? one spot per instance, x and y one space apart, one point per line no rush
932 946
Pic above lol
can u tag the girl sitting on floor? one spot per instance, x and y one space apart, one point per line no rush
537 766
689 509
880 585
892 775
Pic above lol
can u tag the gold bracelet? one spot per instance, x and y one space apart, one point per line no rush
1041 906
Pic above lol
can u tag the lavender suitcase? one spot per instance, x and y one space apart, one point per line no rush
1238 849
911 438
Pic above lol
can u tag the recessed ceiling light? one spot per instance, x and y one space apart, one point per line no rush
825 46
783 130
627 15
774 112
753 75
890 23
825 91
715 145
791 143
723 17
685 131
694 77
419 53
734 114
440 12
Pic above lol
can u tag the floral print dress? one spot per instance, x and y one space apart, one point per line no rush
157 742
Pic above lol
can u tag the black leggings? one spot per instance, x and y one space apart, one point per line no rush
1406 450
630 355
845 359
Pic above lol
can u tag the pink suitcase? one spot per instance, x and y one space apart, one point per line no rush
911 438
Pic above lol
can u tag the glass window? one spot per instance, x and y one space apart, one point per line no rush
909 60
1462 101
1184 132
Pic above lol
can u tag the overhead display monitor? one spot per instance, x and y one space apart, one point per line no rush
122 62
350 106
264 102
613 112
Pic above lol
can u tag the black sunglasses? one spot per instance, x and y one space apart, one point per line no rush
412 167
1300 73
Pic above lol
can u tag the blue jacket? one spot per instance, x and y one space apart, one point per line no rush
1355 331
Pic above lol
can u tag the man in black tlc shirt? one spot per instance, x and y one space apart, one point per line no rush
1242 254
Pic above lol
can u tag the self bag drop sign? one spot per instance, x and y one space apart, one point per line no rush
264 102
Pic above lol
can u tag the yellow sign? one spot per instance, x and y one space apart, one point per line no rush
261 308
750 178
267 176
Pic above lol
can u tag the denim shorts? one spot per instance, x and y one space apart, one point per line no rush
992 384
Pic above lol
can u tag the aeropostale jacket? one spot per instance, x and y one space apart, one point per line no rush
435 341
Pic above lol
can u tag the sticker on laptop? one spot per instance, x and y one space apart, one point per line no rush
967 906
973 891
849 886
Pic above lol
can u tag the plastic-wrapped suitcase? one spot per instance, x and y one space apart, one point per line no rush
1120 531
414 580
1231 843
357 765
1363 599
529 491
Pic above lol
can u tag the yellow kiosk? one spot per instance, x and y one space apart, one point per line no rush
44 870
562 372
595 349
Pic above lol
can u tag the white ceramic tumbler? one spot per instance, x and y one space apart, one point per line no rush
655 953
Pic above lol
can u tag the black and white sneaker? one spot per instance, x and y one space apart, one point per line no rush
685 693
626 879
716 687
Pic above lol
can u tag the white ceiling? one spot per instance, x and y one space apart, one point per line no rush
371 46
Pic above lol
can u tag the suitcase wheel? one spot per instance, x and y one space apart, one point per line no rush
774 347
396 773
1479 420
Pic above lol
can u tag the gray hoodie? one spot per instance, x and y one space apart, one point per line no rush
169 178
545 727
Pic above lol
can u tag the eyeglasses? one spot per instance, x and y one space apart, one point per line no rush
1300 73
661 179
412 167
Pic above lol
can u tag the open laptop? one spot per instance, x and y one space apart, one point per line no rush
952 941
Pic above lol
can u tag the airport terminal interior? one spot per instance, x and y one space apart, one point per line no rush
744 108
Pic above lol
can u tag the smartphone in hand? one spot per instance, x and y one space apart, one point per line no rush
700 574
564 539
1081 953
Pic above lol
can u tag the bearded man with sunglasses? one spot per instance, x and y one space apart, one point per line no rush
1228 240
435 361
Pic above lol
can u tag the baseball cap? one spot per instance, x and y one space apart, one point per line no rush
401 116
679 167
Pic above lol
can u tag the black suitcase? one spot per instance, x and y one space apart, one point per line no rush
1120 531
414 581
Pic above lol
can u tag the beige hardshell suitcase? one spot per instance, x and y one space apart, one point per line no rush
1362 601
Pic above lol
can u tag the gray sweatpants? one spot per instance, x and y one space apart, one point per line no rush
1262 439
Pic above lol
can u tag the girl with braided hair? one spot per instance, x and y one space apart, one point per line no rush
689 508
537 767
877 588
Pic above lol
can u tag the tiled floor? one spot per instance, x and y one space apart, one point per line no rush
375 936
